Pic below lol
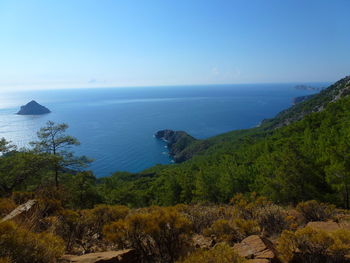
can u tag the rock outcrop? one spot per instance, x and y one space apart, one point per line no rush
20 210
33 108
177 141
120 256
200 241
257 249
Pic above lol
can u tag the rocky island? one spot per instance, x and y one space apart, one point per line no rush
33 108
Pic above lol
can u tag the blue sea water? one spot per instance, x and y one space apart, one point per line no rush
116 125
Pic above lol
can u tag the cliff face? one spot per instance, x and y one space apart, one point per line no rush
33 108
177 142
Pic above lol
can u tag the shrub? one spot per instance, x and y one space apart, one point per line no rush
317 246
315 211
6 206
232 231
221 253
5 260
84 228
272 219
67 226
246 207
23 246
202 216
157 235
101 215
22 197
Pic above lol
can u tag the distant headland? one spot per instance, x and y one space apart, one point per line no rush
306 87
33 108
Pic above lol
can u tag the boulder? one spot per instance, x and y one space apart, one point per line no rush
257 249
20 210
258 261
200 241
120 256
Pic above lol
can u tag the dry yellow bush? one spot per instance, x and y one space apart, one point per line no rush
271 218
101 215
6 206
5 260
23 246
221 253
246 207
317 246
82 229
203 216
22 197
232 231
160 234
315 211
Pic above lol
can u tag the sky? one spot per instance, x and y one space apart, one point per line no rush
119 43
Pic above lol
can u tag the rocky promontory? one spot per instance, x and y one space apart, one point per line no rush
33 108
176 141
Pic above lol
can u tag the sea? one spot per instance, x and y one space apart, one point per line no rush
116 126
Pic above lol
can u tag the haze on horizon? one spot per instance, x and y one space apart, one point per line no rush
94 43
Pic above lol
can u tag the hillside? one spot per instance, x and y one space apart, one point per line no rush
267 194
314 103
302 158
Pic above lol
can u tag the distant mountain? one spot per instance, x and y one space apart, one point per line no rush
33 108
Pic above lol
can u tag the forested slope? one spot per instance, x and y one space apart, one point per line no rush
316 103
307 159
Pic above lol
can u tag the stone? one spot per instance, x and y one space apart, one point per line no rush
257 249
22 209
120 256
259 260
200 241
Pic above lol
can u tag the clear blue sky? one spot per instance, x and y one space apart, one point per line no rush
83 43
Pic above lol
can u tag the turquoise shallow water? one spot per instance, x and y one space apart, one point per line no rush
116 125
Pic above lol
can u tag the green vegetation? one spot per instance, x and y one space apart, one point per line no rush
310 245
305 160
21 245
52 140
222 253
256 181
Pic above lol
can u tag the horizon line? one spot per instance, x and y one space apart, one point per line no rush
80 86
